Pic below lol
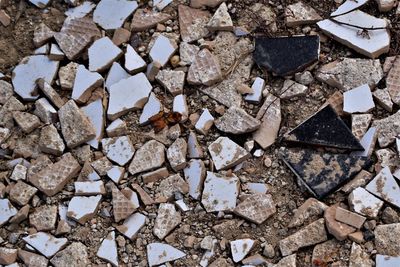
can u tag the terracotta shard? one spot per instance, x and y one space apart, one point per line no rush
145 19
192 23
322 173
325 128
122 206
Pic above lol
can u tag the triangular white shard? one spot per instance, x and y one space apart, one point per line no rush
240 248
128 94
29 70
205 122
358 100
348 6
195 174
116 74
95 112
45 243
385 187
258 87
7 210
81 10
108 250
370 43
132 225
226 154
159 253
133 62
180 106
118 149
84 84
162 50
102 53
221 21
82 209
152 107
111 14
368 143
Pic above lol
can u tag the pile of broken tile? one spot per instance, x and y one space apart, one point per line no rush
88 178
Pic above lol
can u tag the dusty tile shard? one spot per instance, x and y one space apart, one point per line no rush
82 209
159 253
116 128
359 257
226 153
361 179
358 100
6 91
292 89
144 19
79 11
195 174
172 80
386 261
163 49
176 154
44 218
378 40
150 156
84 84
154 176
383 98
32 259
363 202
116 74
172 185
221 21
50 93
220 192
133 62
387 239
205 69
309 209
360 124
388 128
102 53
195 151
180 105
75 126
19 172
128 94
167 219
385 187
188 52
350 218
95 113
256 208
108 249
300 14
348 6
236 121
324 128
392 81
120 36
132 225
21 193
339 230
50 141
42 34
387 158
349 73
30 69
45 111
75 35
46 244
118 149
192 23
240 248
102 165
26 121
67 75
150 109
205 122
270 55
122 206
74 255
322 173
7 211
112 14
54 177
368 142
89 188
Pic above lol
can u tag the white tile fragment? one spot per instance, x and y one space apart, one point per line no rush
45 243
43 50
182 205
132 225
162 50
133 62
159 253
102 53
385 187
161 4
95 112
84 84
82 209
111 14
152 107
205 122
108 249
349 5
363 202
116 74
116 174
89 188
81 10
195 151
116 128
19 172
240 248
7 211
368 143
358 100
56 53
257 188
226 154
386 261
118 149
180 105
40 3
195 174
258 87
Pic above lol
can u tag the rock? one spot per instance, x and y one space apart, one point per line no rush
6 117
220 192
172 80
226 154
50 141
310 208
76 34
7 255
203 3
172 185
304 78
221 21
387 239
300 14
361 179
188 53
144 19
240 248
112 14
82 209
167 219
150 156
358 257
205 121
6 91
386 5
133 62
358 100
385 187
389 215
44 218
192 23
205 69
159 253
339 230
163 49
392 81
118 149
50 93
326 252
108 249
256 208
270 116
357 237
32 259
26 121
45 243
42 34
236 121
30 69
312 234
283 62
350 218
152 70
363 202
121 36
176 154
21 193
358 72
128 94
54 177
360 124
74 255
75 126
292 89
388 128
132 225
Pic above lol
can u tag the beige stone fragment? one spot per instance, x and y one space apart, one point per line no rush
31 259
102 166
50 93
388 128
8 255
350 218
28 122
339 230
44 218
205 69
121 36
382 96
171 185
172 80
360 124
74 255
221 21
205 3
192 23
117 128
167 219
42 34
144 19
67 74
237 121
122 206
6 91
226 154
310 208
155 175
21 193
361 179
176 154
256 208
50 141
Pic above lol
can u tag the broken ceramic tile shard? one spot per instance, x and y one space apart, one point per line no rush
108 249
133 62
50 93
162 50
195 174
50 141
286 55
205 122
6 91
167 219
392 81
348 6
325 128
159 253
172 80
21 193
84 84
75 254
40 3
46 244
188 53
349 73
176 154
30 69
368 142
161 4
300 14
116 74
360 124
388 129
221 21
292 89
383 98
26 121
385 187
226 154
111 14
42 34
95 113
150 156
102 53
256 208
44 218
118 149
122 206
358 100
132 225
30 259
240 248
82 209
7 210
75 35
180 105
371 43
205 69
257 87
220 192
45 111
144 19
192 23
89 188
322 173
128 94
195 151
81 10
236 121
152 108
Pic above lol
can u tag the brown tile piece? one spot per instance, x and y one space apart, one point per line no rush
42 34
44 218
256 208
393 81
27 121
145 19
339 230
192 23
22 192
122 206
50 93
